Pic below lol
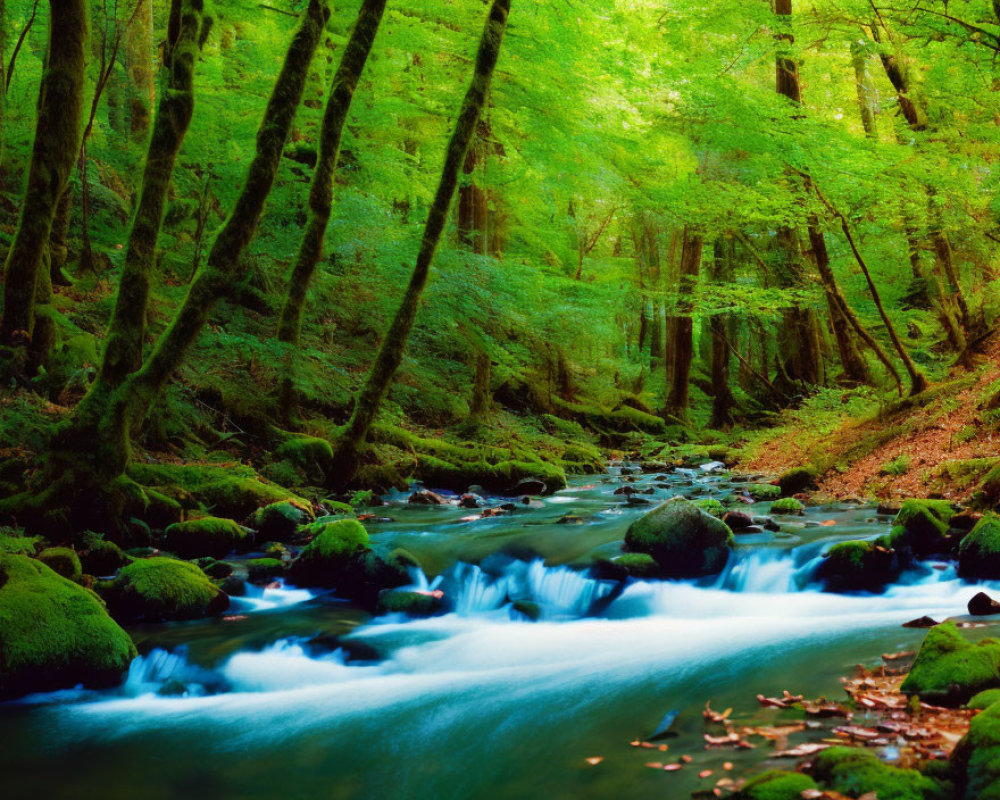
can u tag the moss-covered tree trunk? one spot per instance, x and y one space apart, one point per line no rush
338 105
59 240
683 351
89 453
390 353
139 52
57 138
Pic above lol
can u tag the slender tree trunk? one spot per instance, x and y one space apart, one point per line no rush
482 398
865 90
677 401
721 272
57 138
656 283
341 94
139 50
800 329
853 363
390 353
127 330
473 202
3 81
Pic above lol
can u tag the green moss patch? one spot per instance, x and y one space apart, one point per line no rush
326 560
53 633
921 526
855 772
684 540
979 552
207 536
776 784
858 566
159 589
63 561
950 670
788 506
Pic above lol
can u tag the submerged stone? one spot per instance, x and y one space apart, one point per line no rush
982 605
415 604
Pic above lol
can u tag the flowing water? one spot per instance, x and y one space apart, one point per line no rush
297 694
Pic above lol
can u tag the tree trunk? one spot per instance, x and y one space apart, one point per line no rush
58 240
89 453
800 329
721 272
57 137
866 92
677 401
473 203
390 353
482 397
127 330
341 94
853 363
139 51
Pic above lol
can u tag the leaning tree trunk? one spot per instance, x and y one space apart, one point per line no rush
342 88
57 138
59 240
800 329
89 454
680 375
390 353
127 330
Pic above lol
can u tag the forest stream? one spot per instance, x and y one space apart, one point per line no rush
298 693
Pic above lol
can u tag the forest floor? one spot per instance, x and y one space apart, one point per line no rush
942 443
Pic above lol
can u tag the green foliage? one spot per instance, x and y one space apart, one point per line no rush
900 465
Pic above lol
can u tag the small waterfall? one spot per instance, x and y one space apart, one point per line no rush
271 597
149 673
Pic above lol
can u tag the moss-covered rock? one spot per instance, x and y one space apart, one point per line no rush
53 633
979 552
415 604
950 670
326 560
63 561
711 505
582 460
263 570
921 526
858 566
159 589
685 541
762 492
787 506
976 759
207 536
227 490
776 784
101 557
984 699
855 772
278 521
638 565
310 455
796 480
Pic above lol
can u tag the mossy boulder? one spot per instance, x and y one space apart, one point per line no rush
278 521
979 552
976 759
684 540
160 589
762 492
326 560
310 455
776 784
984 699
711 505
950 670
414 604
263 570
54 634
207 536
858 566
921 526
101 557
787 506
638 565
796 480
63 561
854 772
582 460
